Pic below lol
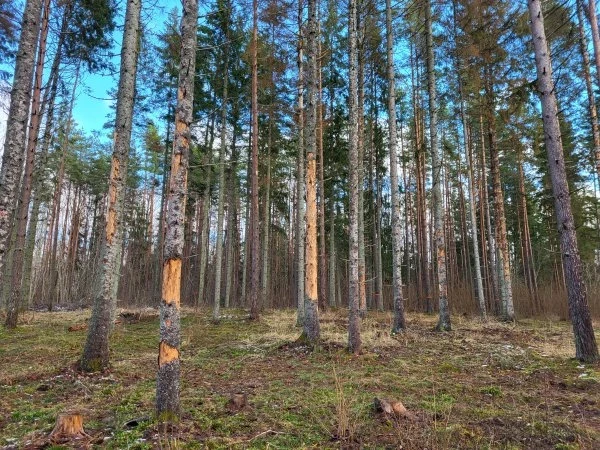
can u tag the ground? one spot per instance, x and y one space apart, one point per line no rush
483 385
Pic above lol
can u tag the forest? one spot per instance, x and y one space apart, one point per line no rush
301 224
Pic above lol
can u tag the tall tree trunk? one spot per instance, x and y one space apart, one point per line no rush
583 48
221 200
585 342
95 354
354 319
362 269
399 322
48 103
264 288
438 217
232 220
16 123
504 274
167 381
15 299
492 248
311 328
254 219
300 211
332 258
322 241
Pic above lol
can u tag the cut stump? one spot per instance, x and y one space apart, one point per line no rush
392 408
237 402
68 426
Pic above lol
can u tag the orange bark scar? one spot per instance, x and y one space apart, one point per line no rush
171 288
111 222
167 354
176 163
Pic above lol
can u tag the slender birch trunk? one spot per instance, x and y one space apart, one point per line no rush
354 319
437 204
585 342
96 353
221 200
399 322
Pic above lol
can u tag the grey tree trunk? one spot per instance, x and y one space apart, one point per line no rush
311 328
16 122
41 160
300 211
585 343
437 205
16 299
264 287
167 380
504 273
583 46
221 201
332 259
96 354
399 322
254 219
354 319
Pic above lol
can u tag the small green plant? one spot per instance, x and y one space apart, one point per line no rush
492 391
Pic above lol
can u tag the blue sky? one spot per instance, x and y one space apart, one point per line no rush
93 102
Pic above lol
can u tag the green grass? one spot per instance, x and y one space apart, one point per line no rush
480 386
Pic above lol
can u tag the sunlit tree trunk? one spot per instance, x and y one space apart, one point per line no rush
583 47
399 322
504 274
311 330
254 219
437 204
15 299
585 342
167 381
95 354
354 337
300 211
221 200
16 122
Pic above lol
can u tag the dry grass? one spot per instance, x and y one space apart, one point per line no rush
483 385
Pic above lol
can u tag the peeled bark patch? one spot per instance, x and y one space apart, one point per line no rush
172 281
166 354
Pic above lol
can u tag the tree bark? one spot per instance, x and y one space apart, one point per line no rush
586 348
254 219
300 211
354 319
15 299
311 328
221 200
96 354
399 322
16 122
438 217
167 382
583 47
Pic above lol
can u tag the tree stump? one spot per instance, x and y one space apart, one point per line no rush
237 402
68 426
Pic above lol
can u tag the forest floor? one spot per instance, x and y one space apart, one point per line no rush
483 385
